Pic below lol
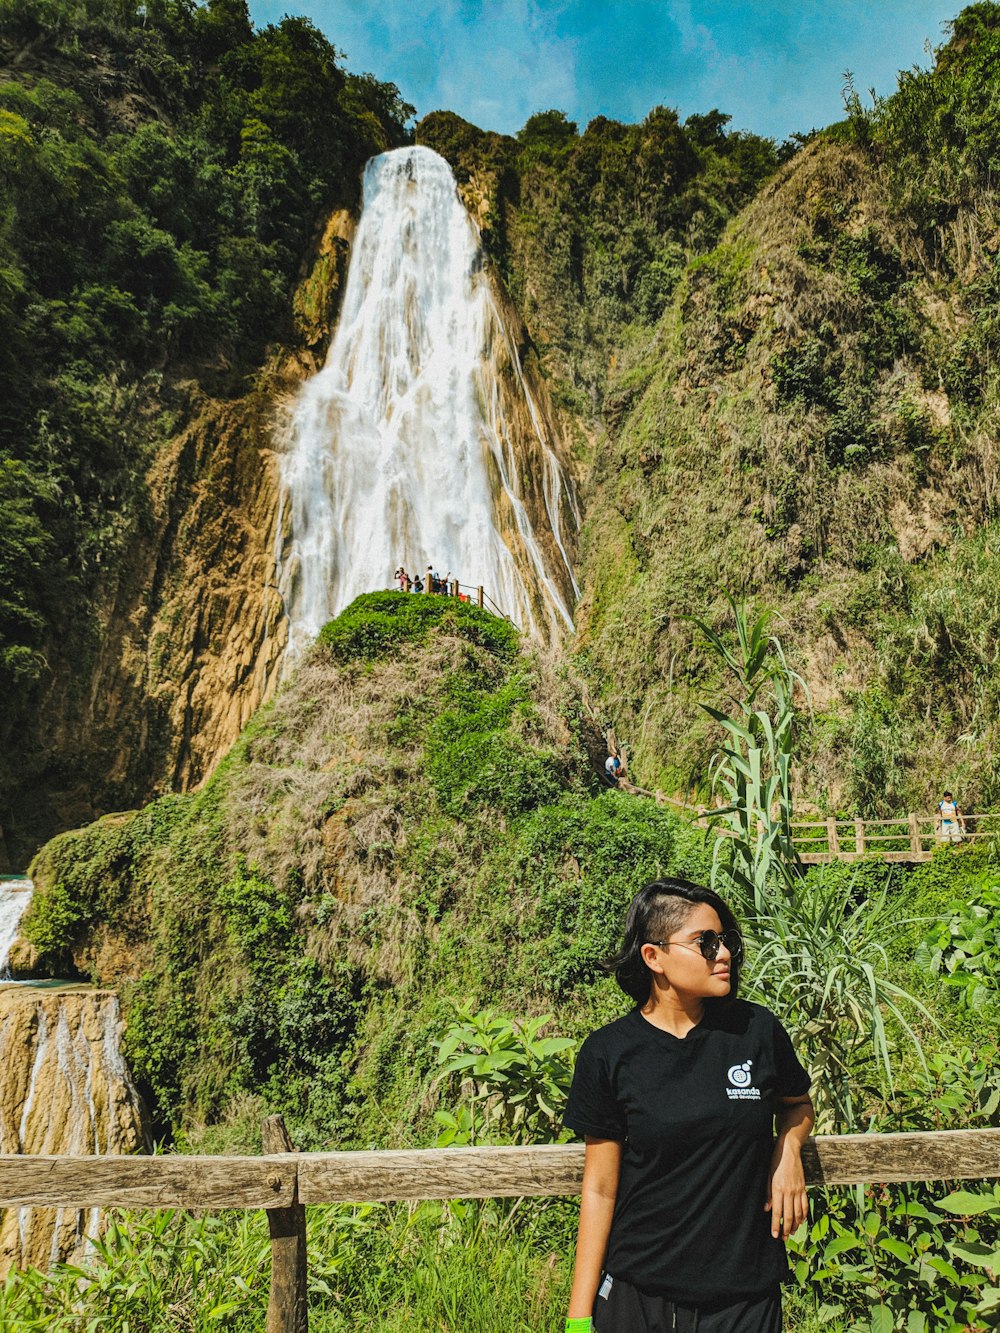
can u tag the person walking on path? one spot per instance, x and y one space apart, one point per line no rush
613 769
949 821
687 1195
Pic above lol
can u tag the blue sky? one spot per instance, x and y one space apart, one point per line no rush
774 67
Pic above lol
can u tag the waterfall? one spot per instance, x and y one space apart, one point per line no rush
419 442
15 895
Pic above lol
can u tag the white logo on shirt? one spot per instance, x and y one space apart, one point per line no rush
740 1077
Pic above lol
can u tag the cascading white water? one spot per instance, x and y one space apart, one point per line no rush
15 895
401 449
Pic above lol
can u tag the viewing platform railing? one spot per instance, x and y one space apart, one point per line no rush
907 839
910 838
284 1183
475 594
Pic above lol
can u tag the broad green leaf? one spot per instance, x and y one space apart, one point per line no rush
882 1320
966 1204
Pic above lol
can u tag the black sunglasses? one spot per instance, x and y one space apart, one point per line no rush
708 943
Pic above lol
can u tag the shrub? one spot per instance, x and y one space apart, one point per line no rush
478 754
587 859
961 947
377 623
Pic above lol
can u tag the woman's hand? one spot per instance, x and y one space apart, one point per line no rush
787 1202
786 1199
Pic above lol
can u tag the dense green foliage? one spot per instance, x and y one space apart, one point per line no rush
393 832
377 624
486 1269
960 947
377 861
162 170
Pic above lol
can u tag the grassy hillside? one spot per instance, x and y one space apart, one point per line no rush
813 425
590 230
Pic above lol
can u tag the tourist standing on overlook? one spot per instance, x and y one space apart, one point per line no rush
677 1102
949 820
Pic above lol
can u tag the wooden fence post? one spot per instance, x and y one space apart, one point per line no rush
916 846
288 1304
831 837
859 836
429 580
479 597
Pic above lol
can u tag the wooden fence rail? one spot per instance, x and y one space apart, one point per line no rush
284 1182
910 838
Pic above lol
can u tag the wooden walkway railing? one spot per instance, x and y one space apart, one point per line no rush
474 594
911 838
284 1183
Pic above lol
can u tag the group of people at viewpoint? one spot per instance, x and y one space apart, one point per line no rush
694 1110
414 583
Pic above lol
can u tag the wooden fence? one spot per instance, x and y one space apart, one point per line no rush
911 838
284 1182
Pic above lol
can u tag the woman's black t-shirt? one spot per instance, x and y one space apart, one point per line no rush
695 1115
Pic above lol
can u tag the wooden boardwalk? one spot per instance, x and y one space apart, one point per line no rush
909 839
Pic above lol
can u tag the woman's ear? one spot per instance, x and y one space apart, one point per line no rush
651 956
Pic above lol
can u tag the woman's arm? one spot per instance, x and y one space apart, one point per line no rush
787 1202
602 1165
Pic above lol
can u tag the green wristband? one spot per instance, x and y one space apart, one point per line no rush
580 1325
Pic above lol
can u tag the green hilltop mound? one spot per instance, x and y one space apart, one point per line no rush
414 822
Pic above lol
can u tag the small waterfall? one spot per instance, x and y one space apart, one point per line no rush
419 442
64 1088
15 895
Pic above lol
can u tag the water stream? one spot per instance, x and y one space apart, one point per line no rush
15 895
419 441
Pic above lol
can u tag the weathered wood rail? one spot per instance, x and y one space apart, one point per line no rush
910 838
283 1182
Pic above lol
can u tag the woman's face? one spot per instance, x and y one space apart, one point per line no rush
682 963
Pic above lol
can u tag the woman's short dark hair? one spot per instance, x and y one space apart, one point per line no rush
656 912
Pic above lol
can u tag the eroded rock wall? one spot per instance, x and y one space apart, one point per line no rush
64 1088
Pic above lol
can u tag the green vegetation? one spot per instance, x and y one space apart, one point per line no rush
483 1268
811 424
591 231
960 949
407 849
386 913
397 831
377 624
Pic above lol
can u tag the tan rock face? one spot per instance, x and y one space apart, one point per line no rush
64 1088
318 296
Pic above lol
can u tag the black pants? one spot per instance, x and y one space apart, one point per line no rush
625 1309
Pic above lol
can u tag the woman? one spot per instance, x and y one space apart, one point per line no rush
677 1102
